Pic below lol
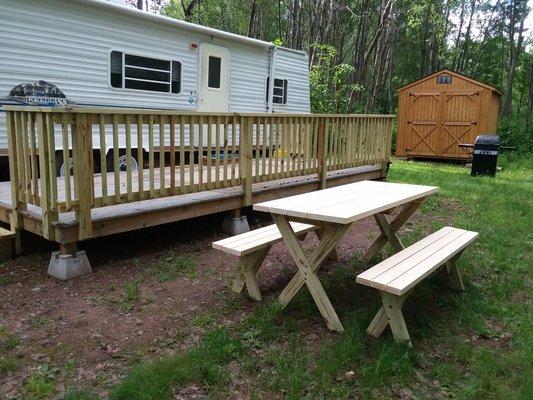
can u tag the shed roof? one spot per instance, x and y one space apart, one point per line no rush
161 19
453 73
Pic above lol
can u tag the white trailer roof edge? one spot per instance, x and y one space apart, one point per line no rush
131 11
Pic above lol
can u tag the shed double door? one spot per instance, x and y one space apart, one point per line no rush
437 122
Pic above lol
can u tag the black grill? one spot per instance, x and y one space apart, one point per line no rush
486 151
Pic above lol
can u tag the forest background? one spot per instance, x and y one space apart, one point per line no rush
362 51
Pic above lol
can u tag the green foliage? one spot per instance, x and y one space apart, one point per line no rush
172 266
205 364
39 386
330 90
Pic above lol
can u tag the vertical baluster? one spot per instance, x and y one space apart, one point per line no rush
52 160
209 151
264 151
254 122
278 168
306 143
151 150
234 149
270 133
225 159
127 132
116 169
172 154
34 170
103 163
66 161
217 150
191 153
182 155
286 148
200 153
24 154
161 156
140 156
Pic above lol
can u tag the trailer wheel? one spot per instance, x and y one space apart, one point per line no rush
62 168
121 163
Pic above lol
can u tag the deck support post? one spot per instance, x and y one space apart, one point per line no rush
235 223
68 262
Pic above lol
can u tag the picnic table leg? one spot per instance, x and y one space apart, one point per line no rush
389 229
247 268
309 265
298 280
334 255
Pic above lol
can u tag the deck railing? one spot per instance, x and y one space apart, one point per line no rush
168 153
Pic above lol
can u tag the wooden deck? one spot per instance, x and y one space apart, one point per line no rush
277 155
136 215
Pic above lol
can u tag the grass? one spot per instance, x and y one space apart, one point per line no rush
471 345
130 295
39 387
170 267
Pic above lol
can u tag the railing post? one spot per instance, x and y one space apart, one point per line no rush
245 158
49 213
83 172
17 206
322 153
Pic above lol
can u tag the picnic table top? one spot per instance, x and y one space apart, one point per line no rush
347 203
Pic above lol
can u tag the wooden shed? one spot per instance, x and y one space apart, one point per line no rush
441 110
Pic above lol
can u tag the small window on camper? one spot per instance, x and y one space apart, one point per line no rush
116 69
213 72
130 71
444 79
280 91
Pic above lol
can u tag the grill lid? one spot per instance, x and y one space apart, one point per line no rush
488 140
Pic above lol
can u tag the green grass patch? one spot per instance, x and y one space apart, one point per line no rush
172 266
39 386
8 364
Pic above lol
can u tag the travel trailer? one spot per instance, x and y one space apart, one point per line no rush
99 53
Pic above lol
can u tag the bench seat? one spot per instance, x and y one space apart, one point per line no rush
396 276
252 248
249 242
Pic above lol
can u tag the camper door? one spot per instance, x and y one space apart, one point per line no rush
214 78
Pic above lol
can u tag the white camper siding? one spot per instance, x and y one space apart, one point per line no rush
248 73
293 66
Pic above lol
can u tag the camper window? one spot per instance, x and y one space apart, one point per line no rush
130 71
280 90
213 72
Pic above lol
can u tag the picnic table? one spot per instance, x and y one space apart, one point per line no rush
335 210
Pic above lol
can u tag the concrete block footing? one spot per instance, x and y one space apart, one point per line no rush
68 266
235 225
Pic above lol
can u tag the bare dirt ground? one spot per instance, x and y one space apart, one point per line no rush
87 332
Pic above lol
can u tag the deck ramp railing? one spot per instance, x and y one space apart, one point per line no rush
77 159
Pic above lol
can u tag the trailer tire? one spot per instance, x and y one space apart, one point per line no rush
122 165
61 167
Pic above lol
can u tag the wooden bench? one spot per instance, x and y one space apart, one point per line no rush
252 248
396 276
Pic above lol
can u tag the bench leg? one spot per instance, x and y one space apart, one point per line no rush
247 268
392 305
454 276
390 314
